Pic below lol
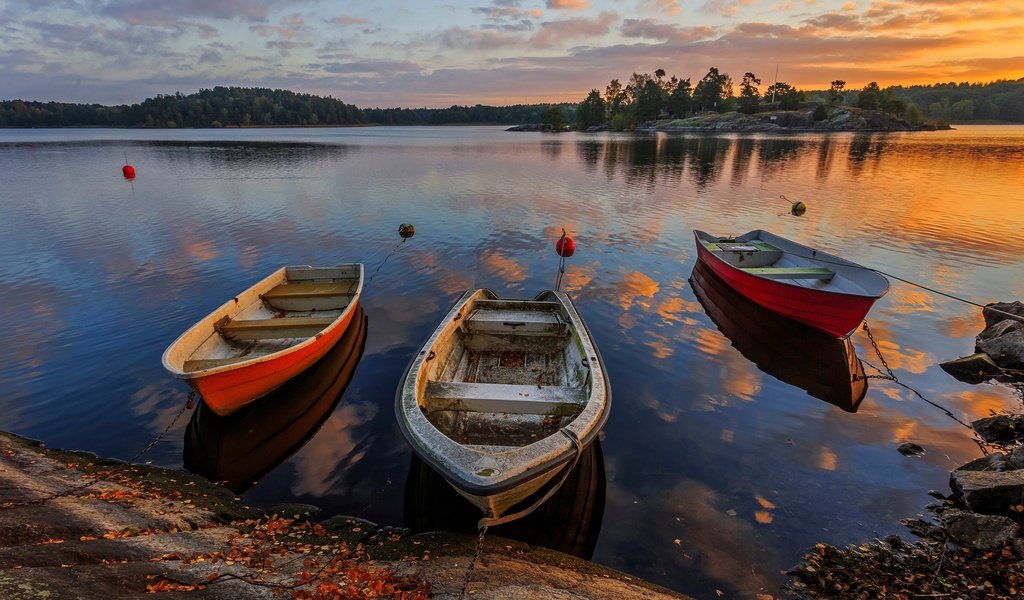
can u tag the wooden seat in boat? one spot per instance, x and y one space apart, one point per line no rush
504 398
269 329
527 322
210 363
742 247
308 290
791 272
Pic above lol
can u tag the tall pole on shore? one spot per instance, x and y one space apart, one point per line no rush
776 82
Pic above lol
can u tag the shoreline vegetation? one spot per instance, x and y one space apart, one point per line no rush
645 102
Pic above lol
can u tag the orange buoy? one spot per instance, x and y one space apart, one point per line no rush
565 247
128 171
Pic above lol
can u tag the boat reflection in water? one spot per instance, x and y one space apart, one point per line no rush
239 449
569 521
826 367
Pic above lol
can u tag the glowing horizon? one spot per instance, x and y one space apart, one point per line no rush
502 52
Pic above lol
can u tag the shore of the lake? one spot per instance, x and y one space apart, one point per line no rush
130 529
972 547
816 118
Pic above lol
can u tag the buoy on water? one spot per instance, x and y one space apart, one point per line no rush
128 171
798 209
565 247
406 230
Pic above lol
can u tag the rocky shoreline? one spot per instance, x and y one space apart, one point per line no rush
974 545
117 530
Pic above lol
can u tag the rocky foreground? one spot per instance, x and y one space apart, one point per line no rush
108 529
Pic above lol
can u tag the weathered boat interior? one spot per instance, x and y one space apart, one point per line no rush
768 256
308 300
512 373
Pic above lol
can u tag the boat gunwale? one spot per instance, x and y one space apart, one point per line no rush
277 275
700 236
553 459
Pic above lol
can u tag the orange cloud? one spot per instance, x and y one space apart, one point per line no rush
569 5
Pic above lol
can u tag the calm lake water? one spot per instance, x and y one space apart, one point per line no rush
715 476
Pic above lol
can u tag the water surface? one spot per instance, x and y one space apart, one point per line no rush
717 474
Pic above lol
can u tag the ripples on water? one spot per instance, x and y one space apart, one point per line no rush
715 474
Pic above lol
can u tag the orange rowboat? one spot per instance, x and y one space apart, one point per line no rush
266 335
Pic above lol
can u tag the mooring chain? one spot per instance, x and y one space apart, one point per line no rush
476 558
189 403
891 376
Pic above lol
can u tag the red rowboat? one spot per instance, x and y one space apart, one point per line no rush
807 285
825 367
266 335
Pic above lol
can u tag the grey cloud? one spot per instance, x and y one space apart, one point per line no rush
380 67
164 12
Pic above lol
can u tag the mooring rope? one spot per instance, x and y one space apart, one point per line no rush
909 282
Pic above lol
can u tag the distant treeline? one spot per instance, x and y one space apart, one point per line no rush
516 114
219 107
644 97
1000 100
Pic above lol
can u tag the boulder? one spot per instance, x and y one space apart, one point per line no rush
1017 457
1000 429
997 311
975 368
1000 328
1007 350
910 449
984 532
989 492
993 462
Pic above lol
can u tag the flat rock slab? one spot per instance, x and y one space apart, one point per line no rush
984 532
1000 429
989 492
117 525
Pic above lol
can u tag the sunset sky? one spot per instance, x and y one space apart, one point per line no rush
391 53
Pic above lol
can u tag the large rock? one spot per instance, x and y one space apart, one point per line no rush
984 532
989 492
993 462
1000 429
997 311
975 368
1006 350
1000 328
1017 457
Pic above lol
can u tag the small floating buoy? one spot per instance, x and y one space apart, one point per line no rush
565 247
406 230
798 209
128 171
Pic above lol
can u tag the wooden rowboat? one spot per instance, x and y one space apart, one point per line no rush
266 335
239 449
825 367
807 285
503 398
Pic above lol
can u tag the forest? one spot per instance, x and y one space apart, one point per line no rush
643 97
219 107
646 97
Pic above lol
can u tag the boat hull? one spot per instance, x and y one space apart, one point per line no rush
837 314
265 336
825 367
227 391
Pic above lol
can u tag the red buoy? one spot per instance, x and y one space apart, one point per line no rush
128 171
565 247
